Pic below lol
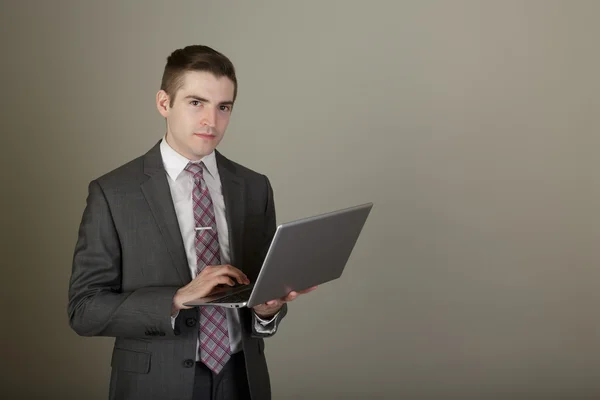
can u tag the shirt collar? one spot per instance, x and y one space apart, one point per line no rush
175 163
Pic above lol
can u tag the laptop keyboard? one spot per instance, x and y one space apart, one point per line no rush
234 298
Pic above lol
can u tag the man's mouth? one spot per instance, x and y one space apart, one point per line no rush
204 135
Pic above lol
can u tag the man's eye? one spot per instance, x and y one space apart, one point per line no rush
225 108
195 102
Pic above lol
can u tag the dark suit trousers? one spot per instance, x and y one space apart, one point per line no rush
230 384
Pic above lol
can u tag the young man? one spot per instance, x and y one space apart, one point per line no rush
139 255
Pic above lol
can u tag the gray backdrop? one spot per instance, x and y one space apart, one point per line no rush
472 126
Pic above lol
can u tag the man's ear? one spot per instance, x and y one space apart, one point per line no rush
162 103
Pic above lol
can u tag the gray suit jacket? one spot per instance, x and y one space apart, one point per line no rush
130 260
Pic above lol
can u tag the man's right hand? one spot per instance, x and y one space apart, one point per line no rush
205 283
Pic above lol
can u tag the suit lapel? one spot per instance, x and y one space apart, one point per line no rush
235 200
158 195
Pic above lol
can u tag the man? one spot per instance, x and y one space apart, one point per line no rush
171 226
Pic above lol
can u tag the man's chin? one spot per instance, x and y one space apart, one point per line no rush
203 151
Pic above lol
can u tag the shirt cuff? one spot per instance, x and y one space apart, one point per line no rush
263 326
173 318
266 322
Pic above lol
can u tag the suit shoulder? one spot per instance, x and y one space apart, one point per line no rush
132 172
244 171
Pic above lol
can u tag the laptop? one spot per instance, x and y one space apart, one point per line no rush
303 253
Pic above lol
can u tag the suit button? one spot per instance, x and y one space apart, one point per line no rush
190 322
188 363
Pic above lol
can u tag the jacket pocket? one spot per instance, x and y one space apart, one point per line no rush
130 360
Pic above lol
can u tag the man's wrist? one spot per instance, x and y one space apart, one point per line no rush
269 315
265 316
174 307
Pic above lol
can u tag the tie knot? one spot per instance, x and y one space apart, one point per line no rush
195 169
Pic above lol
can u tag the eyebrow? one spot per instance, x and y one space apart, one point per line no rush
199 98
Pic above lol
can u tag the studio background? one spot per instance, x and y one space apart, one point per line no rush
471 125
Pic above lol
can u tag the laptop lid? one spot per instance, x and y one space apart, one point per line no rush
308 252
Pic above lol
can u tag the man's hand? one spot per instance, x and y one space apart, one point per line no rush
270 308
205 283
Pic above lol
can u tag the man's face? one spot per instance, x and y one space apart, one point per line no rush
200 113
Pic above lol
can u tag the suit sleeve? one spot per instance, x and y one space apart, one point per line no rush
97 304
270 227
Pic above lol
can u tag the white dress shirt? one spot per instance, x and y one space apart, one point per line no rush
181 184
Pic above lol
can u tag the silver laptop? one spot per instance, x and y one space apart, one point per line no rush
304 253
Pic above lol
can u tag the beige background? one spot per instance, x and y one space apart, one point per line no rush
472 126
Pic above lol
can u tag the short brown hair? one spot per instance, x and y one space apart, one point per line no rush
195 58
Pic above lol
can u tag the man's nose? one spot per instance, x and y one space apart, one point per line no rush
209 116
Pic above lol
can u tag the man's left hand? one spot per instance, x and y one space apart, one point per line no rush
270 308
